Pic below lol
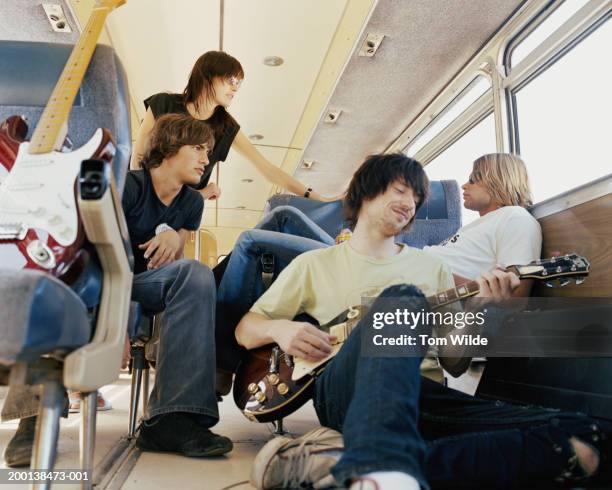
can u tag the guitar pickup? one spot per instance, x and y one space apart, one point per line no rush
13 231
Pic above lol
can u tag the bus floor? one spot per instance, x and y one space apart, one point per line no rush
119 465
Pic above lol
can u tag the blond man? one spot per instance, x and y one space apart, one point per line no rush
505 234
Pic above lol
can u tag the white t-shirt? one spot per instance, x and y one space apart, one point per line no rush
506 236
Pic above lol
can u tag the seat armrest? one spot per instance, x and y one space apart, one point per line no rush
97 363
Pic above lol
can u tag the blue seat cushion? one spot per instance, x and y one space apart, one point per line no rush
40 315
437 219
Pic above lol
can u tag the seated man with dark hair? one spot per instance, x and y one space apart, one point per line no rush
505 234
399 430
160 210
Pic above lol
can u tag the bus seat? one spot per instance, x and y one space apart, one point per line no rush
40 315
46 316
436 220
28 73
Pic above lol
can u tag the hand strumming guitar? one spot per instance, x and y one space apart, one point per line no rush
303 339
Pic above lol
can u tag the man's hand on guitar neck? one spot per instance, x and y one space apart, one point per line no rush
300 339
495 285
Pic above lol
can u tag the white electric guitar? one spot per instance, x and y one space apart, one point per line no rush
40 226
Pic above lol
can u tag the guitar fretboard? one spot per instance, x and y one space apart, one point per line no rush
451 295
49 133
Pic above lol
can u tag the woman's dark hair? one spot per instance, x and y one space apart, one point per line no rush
170 133
208 66
374 177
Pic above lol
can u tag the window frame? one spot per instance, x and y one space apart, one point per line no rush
493 61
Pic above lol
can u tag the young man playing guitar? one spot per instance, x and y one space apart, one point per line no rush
160 210
399 430
505 234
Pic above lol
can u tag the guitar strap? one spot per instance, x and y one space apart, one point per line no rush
267 269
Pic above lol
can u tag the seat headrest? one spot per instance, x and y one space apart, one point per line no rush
437 219
28 74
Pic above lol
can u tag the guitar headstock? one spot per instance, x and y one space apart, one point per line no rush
563 268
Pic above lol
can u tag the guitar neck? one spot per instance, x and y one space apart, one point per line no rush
51 129
451 295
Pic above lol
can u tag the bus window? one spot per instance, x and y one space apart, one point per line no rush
456 161
563 117
544 30
467 97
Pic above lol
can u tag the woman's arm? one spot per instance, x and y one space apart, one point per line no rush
140 145
272 173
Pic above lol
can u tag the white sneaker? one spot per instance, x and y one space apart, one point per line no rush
386 480
290 463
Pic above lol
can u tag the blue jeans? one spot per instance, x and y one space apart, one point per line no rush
285 232
185 368
392 419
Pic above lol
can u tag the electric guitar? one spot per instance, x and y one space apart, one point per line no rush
271 384
40 225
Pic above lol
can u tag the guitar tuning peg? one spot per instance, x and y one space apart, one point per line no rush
564 282
579 281
549 284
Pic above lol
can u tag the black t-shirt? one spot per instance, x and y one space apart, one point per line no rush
165 103
144 212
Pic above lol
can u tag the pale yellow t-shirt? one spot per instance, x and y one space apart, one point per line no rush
325 282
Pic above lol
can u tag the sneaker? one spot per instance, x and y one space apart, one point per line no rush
290 463
102 404
179 432
18 452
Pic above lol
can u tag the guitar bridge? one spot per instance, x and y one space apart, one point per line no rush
13 231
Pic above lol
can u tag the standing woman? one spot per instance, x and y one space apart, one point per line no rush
213 83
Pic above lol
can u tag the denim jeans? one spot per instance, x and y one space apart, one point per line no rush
392 419
286 232
185 368
292 221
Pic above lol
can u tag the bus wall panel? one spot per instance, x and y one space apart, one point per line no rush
587 230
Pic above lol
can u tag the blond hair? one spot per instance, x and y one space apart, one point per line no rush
505 177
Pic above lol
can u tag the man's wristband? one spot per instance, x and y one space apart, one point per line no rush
163 227
307 193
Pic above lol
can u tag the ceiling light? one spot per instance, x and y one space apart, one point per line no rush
273 61
256 137
247 181
307 163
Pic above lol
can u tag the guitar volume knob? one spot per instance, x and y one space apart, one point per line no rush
273 379
260 396
253 388
283 389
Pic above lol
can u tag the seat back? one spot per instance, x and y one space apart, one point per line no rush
437 219
28 73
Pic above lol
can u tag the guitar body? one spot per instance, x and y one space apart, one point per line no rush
270 384
255 371
13 132
40 225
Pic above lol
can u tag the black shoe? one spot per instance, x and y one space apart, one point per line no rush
18 452
178 432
